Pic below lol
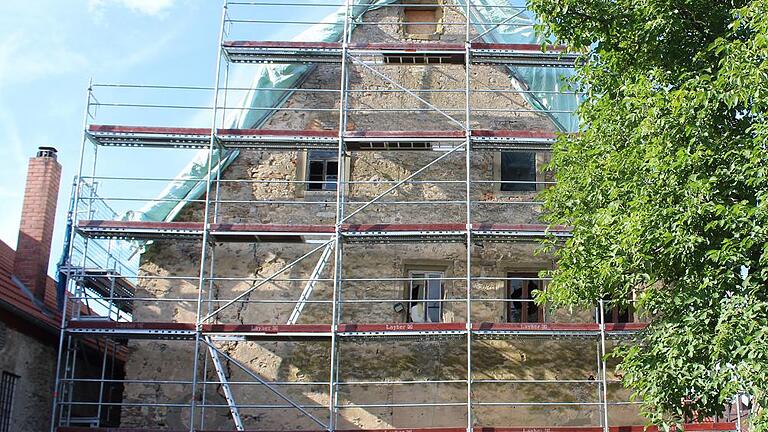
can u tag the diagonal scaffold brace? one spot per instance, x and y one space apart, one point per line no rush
310 286
234 411
263 382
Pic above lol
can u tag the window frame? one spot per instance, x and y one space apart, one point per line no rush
411 302
526 295
8 383
302 176
325 160
498 163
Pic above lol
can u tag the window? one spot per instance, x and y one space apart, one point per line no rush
7 387
425 290
518 167
617 314
520 289
322 170
420 20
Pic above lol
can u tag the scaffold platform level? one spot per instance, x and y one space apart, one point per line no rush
392 233
360 233
268 332
267 139
398 53
256 233
140 230
295 332
692 427
106 283
133 330
558 330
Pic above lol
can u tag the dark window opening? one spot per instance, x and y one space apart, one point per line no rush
425 292
617 314
421 21
7 388
518 171
520 289
322 170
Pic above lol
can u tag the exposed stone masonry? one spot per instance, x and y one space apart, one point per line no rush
306 362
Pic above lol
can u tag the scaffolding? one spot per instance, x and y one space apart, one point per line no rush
326 245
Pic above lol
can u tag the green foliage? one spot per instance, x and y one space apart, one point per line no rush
665 187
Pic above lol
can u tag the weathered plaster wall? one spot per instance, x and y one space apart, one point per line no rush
304 363
34 363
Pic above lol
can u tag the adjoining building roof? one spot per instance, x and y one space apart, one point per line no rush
19 301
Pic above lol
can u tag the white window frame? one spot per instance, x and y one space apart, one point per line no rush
422 305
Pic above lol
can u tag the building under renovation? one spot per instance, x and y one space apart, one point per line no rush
356 243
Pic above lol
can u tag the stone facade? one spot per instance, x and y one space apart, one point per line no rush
34 363
304 363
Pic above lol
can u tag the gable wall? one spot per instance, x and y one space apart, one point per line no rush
305 362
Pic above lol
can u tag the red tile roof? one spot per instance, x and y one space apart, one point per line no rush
18 301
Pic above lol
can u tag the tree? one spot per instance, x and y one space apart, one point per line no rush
665 187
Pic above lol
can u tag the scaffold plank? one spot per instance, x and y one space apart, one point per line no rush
288 332
518 232
270 332
270 233
505 330
392 233
139 230
280 139
283 233
133 330
402 329
522 55
485 139
106 283
398 53
149 136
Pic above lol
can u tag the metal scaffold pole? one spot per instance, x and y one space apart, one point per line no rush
603 366
338 250
468 204
73 216
212 267
206 224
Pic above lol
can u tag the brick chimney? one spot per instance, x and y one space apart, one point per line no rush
37 217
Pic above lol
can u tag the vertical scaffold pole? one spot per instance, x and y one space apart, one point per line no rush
603 365
73 219
468 201
337 249
206 224
212 268
599 369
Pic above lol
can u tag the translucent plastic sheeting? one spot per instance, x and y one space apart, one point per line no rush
513 24
546 88
108 254
192 179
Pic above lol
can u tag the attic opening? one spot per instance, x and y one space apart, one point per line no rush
422 19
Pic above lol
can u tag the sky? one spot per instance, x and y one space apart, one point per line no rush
51 49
